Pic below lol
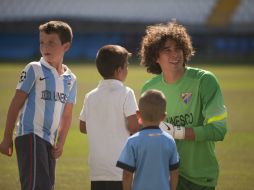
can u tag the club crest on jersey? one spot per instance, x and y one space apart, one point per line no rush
186 97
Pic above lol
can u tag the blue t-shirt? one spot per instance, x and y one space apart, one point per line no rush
150 154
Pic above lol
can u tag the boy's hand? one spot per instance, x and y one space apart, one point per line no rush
57 150
6 148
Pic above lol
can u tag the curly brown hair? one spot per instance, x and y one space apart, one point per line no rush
155 39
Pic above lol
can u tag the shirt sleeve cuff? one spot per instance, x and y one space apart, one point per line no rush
125 166
174 166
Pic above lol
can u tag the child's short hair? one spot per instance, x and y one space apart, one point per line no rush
58 27
109 58
152 105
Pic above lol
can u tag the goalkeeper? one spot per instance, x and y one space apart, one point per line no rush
195 105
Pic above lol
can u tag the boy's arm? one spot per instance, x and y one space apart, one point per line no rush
127 180
132 125
173 179
6 146
63 130
82 126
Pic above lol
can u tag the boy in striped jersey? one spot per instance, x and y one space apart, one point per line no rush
43 105
195 103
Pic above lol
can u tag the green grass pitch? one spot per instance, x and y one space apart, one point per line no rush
235 153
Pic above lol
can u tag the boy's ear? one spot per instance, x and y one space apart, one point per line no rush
118 69
138 114
139 117
67 46
117 72
163 116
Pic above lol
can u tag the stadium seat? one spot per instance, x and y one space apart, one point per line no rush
244 13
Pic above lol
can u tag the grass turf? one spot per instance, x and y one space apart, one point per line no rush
235 154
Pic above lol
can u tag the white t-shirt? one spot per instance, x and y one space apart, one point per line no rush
105 111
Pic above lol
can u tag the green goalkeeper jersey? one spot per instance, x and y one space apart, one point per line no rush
195 101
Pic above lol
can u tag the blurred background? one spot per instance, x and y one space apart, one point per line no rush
223 35
220 29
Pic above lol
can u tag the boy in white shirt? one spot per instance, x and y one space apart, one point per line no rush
108 117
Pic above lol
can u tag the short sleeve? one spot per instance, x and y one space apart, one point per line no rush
82 115
126 160
73 93
174 159
130 104
26 79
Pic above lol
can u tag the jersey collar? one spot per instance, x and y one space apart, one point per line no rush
150 127
110 82
46 64
178 81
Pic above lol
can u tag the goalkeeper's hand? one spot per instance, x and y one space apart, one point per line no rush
176 131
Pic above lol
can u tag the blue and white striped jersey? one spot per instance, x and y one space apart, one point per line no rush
47 94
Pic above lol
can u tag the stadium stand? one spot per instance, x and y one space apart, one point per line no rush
185 11
219 28
221 15
244 13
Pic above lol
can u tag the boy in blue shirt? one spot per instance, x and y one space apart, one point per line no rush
151 153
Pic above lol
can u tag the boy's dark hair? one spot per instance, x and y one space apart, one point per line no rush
58 27
109 58
152 105
154 40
